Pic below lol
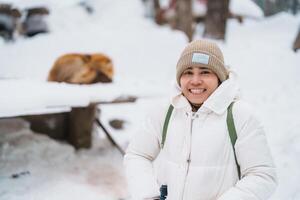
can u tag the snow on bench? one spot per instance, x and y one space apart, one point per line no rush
21 97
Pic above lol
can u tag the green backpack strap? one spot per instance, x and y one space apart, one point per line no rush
232 134
166 123
230 126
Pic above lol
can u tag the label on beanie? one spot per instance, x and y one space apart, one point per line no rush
200 58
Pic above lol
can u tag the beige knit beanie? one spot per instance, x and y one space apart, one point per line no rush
202 53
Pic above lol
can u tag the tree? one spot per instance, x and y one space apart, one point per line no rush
184 17
216 17
295 6
296 44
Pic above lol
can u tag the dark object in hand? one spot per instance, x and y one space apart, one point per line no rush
163 192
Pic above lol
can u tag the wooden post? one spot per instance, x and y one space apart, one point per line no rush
80 126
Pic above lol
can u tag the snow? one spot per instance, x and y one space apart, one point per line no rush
144 57
89 174
245 8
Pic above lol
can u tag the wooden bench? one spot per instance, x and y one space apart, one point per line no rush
69 118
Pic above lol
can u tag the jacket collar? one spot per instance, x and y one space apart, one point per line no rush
217 102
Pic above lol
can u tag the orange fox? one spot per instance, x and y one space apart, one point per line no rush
82 69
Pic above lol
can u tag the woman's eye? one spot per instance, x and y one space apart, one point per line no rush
205 72
188 72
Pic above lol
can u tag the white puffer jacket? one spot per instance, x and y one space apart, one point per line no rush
197 161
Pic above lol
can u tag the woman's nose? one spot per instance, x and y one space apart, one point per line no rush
196 79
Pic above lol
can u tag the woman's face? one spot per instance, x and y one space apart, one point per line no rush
197 84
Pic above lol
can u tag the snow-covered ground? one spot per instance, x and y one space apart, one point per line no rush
144 56
33 166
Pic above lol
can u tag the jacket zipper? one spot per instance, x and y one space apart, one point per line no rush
189 155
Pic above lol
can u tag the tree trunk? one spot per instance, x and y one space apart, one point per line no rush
184 17
216 17
296 45
295 6
156 5
270 7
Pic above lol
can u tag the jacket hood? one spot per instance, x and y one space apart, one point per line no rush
217 102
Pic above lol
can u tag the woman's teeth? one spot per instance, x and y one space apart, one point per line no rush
197 91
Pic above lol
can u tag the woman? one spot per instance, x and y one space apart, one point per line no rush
197 159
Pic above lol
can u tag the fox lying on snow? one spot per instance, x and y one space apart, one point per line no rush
82 69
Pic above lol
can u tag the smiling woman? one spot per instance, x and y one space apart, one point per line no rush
215 148
197 84
200 70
